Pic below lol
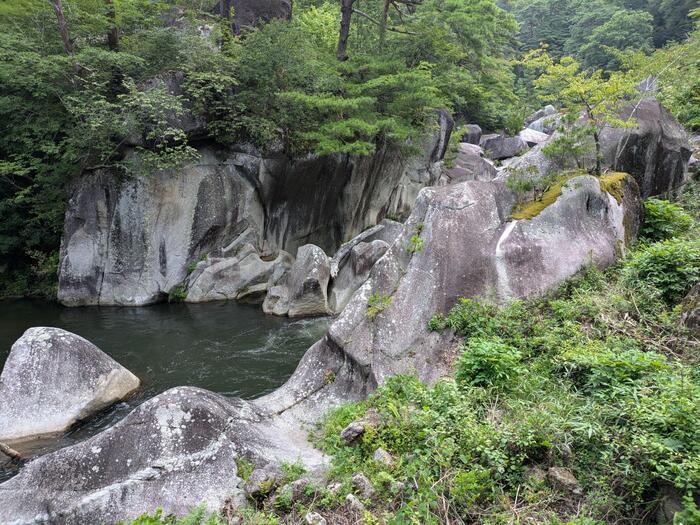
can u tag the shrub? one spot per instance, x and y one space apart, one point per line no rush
672 266
376 304
488 363
664 220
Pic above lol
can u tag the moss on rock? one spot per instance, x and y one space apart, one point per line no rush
613 183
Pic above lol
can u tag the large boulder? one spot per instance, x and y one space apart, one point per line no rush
354 272
469 164
532 137
175 451
387 230
505 259
472 134
244 276
499 147
656 150
52 379
303 291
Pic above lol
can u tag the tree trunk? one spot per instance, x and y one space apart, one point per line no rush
226 9
345 16
9 452
383 22
62 26
598 160
113 33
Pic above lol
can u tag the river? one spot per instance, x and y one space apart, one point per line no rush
226 347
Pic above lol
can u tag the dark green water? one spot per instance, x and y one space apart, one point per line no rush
226 347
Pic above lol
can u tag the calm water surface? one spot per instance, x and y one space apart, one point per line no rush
226 347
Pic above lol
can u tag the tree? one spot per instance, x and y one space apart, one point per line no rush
62 26
578 91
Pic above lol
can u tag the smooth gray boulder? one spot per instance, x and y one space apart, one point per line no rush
469 164
505 259
533 137
472 134
303 290
354 272
656 150
308 283
499 147
52 379
244 276
175 451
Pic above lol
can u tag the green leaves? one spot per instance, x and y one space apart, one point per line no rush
672 267
664 220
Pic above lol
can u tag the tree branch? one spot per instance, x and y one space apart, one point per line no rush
375 21
9 452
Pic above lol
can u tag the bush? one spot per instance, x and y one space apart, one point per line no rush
488 363
672 266
664 220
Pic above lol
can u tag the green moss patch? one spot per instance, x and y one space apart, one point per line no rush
612 183
531 209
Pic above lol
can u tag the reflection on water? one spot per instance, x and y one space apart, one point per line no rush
226 347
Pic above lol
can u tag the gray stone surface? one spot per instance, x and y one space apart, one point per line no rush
179 460
499 147
469 164
354 272
130 241
175 451
505 259
533 137
656 150
308 283
472 134
546 124
53 379
244 276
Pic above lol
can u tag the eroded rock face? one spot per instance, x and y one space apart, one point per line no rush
53 379
175 451
354 272
130 241
308 282
244 276
185 440
656 150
